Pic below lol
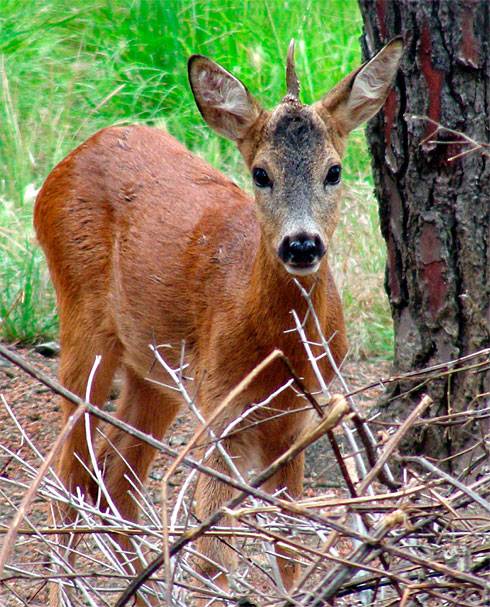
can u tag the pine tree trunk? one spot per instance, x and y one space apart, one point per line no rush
434 200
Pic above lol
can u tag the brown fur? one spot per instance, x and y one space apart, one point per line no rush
146 243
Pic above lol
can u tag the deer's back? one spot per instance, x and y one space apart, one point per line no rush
143 232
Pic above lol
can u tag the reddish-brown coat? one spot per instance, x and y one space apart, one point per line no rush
156 246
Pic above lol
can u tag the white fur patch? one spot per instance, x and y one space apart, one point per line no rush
296 271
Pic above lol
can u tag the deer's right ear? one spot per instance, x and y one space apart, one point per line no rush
224 102
362 93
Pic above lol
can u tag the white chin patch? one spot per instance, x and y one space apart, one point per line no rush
297 271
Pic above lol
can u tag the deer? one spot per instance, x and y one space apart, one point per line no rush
147 243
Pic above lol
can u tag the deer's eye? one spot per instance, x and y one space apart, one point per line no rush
261 179
333 175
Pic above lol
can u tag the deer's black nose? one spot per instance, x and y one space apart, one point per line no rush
301 250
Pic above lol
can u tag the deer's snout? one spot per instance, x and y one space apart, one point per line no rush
301 253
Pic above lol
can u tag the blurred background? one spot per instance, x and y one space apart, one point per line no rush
69 68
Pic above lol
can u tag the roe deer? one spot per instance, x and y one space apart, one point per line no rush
146 243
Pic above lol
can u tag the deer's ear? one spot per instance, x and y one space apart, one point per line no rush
361 94
224 102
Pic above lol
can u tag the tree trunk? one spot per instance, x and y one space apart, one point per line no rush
434 200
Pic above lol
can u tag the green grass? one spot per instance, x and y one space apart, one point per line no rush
70 68
26 300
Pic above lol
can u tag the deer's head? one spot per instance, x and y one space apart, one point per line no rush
294 152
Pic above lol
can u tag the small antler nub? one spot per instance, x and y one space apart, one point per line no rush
291 78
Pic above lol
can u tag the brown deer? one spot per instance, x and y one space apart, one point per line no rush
146 243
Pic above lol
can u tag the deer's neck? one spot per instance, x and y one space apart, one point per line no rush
273 294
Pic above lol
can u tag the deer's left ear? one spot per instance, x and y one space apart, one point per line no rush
224 101
361 94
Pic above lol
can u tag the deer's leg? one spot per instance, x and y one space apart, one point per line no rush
122 456
74 373
211 495
125 460
290 478
78 353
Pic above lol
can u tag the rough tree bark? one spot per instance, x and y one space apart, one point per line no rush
435 210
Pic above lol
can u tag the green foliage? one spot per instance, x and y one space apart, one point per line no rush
70 68
26 298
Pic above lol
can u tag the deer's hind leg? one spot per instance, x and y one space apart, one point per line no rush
74 465
124 458
79 347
